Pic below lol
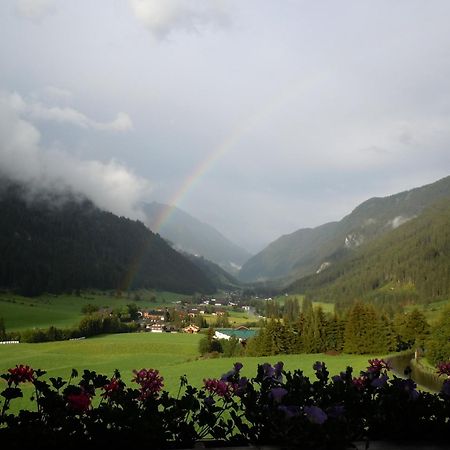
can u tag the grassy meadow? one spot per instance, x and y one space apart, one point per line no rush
172 354
64 311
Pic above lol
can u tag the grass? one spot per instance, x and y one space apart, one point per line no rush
172 354
64 311
326 307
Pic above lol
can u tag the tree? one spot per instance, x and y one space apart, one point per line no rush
364 331
437 346
2 329
413 328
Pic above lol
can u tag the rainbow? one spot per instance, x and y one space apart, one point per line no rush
287 93
283 96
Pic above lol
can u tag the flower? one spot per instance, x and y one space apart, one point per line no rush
289 410
110 388
219 387
238 366
359 383
335 411
79 402
318 365
277 394
446 388
149 380
377 365
444 369
20 374
315 414
379 381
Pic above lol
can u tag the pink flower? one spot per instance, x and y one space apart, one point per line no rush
377 365
149 380
79 402
219 387
20 374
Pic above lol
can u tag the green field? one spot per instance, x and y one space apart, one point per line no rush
172 354
64 311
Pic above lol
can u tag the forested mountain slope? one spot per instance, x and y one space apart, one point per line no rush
410 263
190 235
308 251
59 244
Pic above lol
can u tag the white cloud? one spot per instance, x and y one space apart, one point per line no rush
39 111
108 184
35 10
161 17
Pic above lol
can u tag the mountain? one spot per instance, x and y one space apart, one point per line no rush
58 244
190 235
220 277
312 250
409 263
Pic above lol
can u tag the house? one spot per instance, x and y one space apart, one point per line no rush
241 333
191 329
155 328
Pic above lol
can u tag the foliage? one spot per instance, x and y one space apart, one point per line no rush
276 407
407 264
438 344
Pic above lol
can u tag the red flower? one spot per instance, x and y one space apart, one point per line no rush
444 369
79 402
359 383
110 388
20 374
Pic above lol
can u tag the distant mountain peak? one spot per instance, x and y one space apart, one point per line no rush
193 236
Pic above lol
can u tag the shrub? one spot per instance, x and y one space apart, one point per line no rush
275 407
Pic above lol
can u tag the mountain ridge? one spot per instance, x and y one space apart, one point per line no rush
190 235
304 251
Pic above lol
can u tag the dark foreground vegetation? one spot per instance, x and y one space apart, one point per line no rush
284 409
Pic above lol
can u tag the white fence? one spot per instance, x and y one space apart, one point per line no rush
9 342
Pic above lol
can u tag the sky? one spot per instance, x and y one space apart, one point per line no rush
258 117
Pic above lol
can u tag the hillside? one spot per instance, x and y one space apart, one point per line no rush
308 251
190 235
220 277
410 263
55 244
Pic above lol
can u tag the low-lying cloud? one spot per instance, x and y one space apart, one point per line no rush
162 17
109 185
37 110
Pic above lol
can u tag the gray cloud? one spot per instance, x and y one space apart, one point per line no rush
108 184
35 10
39 111
161 18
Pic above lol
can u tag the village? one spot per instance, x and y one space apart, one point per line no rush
228 318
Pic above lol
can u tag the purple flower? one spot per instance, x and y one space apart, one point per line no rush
376 365
278 368
289 410
315 414
336 378
379 381
228 375
276 394
318 365
269 371
209 401
446 388
238 366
